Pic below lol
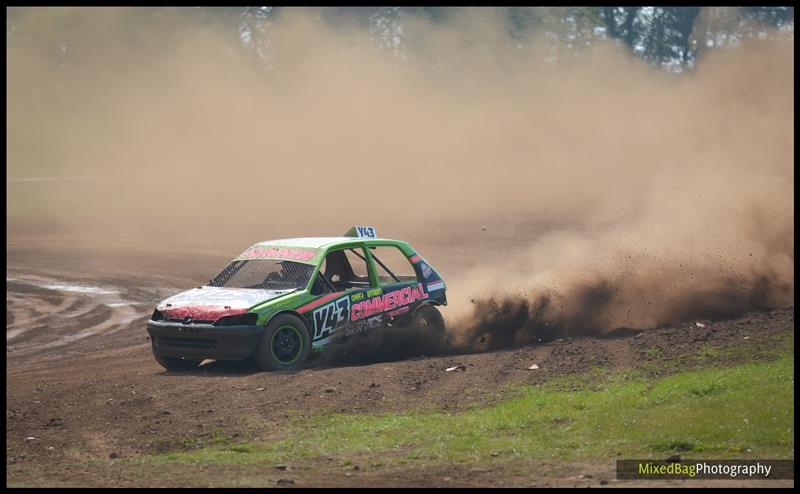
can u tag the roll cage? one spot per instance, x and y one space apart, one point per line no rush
336 263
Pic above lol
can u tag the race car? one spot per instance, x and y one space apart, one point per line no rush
281 300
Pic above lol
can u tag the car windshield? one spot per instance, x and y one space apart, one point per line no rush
270 274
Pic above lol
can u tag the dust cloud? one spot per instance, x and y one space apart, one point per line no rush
665 197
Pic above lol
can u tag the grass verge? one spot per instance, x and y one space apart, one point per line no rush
735 412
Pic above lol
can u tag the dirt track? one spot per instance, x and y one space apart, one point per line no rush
82 384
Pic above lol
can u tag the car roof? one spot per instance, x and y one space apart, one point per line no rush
318 242
309 250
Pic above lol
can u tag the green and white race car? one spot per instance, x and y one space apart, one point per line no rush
280 300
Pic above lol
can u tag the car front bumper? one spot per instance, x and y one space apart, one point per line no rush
204 341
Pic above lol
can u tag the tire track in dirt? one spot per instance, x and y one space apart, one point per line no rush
48 313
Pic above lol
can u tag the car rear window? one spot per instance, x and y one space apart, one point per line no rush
269 274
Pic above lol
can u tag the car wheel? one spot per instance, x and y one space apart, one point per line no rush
285 344
175 364
428 319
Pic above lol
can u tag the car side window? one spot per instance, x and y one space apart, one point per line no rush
345 269
321 285
358 264
392 265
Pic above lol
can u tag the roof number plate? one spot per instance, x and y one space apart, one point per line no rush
366 232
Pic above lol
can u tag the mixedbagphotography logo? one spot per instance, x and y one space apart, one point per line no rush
705 469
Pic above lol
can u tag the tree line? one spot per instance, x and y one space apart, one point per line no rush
675 38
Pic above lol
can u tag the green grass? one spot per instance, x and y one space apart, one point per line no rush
654 352
741 411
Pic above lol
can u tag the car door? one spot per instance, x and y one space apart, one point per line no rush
343 280
398 289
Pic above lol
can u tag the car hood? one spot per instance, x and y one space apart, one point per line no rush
209 303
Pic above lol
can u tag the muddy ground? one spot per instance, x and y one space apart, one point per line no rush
83 388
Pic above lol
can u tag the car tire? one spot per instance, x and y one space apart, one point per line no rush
285 344
428 319
175 364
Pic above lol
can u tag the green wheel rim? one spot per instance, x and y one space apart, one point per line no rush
286 345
